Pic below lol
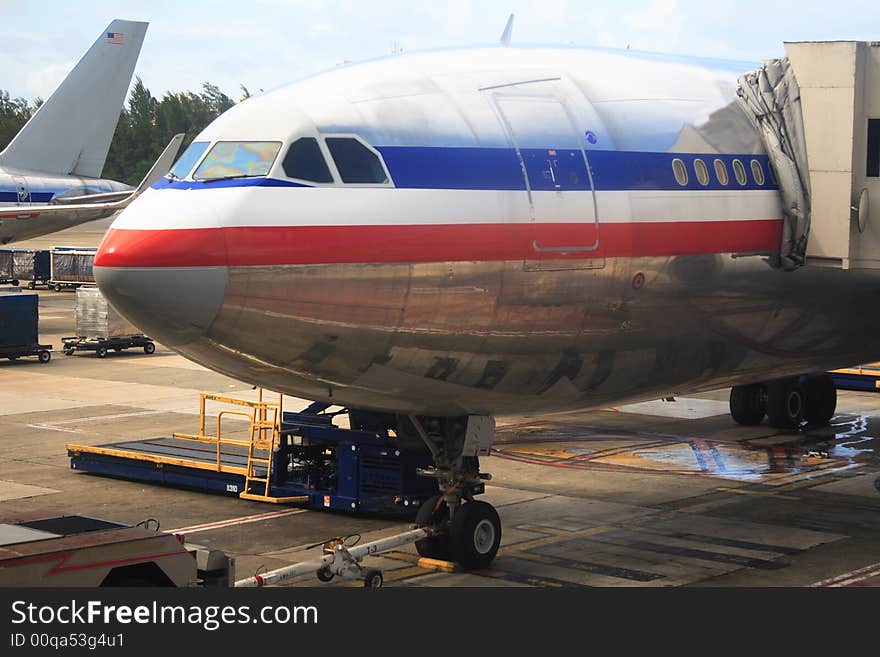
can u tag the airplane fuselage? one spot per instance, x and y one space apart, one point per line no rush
485 231
21 189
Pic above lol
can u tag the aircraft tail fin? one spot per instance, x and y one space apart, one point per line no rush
72 130
508 32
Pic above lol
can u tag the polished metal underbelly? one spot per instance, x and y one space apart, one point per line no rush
453 338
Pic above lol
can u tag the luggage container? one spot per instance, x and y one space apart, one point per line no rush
95 318
19 321
7 267
100 328
71 268
31 266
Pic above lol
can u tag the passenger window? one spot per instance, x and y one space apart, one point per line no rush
681 174
238 159
739 171
721 172
873 163
305 161
757 172
702 171
356 163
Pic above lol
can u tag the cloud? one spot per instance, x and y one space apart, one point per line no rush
658 26
11 7
44 80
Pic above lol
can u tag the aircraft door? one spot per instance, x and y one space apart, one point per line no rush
565 230
22 190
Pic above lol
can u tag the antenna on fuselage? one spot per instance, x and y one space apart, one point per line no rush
508 32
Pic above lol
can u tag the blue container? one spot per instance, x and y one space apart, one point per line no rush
19 319
42 266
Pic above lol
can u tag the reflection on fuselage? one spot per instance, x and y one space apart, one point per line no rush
511 265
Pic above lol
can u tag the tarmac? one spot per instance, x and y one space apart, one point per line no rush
664 493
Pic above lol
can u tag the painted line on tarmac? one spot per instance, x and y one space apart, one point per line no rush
231 522
49 427
850 578
53 426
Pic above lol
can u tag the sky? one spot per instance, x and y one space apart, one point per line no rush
264 43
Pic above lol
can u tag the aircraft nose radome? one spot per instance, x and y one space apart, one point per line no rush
171 298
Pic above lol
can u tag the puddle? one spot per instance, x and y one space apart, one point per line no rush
848 440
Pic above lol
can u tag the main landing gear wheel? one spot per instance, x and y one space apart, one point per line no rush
821 399
468 531
432 514
324 575
786 403
475 534
748 404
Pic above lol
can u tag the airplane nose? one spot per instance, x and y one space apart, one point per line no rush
150 277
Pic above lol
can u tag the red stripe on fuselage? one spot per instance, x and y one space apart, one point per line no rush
238 246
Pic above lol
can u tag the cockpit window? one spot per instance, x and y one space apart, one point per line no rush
238 159
356 163
305 161
188 160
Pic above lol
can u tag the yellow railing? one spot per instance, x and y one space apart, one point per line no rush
260 425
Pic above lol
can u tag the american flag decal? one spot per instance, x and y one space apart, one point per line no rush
114 37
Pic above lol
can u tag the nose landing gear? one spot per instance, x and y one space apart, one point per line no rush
468 531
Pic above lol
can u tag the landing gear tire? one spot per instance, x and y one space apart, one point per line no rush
475 534
324 575
748 405
786 403
373 579
821 399
433 515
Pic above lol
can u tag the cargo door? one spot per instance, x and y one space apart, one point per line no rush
565 231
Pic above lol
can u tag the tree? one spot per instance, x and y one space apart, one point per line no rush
14 113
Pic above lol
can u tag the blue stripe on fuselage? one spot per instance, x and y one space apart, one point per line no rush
11 196
465 168
416 167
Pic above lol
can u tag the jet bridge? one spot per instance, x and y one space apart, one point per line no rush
818 111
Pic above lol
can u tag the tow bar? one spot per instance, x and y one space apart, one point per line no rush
339 560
